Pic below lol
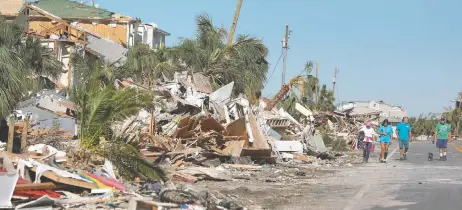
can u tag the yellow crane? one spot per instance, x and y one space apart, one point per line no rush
297 82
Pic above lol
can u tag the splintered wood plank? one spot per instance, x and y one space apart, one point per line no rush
11 134
24 134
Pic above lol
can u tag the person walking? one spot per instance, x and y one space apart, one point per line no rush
443 135
403 132
369 134
385 131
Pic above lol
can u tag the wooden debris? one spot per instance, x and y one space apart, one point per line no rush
304 158
35 186
68 181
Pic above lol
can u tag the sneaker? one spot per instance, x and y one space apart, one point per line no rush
401 158
405 157
383 161
444 158
441 158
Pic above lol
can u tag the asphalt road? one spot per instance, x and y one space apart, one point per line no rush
415 184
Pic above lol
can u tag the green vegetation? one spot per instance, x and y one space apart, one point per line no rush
25 65
244 62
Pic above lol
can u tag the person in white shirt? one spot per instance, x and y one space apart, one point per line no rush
369 134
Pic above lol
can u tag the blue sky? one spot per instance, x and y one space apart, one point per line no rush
403 52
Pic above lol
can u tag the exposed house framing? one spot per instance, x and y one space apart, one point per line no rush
61 28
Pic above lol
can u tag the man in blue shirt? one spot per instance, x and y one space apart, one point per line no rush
403 132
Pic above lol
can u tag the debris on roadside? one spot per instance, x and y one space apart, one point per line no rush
195 134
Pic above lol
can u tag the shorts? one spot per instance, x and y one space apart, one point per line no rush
403 144
442 143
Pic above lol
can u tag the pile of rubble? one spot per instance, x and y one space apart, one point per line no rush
194 134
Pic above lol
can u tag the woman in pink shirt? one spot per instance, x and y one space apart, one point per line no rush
369 134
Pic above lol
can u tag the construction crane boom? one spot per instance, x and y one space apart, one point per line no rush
297 82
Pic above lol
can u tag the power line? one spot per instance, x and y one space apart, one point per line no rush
274 69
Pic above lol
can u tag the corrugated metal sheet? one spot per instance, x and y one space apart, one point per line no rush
44 119
111 52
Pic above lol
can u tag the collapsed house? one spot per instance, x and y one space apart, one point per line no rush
66 26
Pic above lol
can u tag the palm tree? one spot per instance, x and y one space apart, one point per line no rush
24 65
326 100
144 64
99 106
243 62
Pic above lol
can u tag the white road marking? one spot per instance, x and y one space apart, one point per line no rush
364 189
392 153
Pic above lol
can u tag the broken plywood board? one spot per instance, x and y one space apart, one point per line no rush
234 148
259 139
209 123
237 128
183 126
68 181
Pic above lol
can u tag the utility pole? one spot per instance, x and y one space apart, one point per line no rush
284 58
334 81
317 84
233 26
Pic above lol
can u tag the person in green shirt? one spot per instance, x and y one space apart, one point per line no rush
443 135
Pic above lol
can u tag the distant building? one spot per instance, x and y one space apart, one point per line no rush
150 34
384 110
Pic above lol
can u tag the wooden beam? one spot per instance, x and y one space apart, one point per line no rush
25 129
58 19
35 186
12 121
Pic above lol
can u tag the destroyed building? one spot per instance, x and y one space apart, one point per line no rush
66 26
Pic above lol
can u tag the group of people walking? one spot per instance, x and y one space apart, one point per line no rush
403 135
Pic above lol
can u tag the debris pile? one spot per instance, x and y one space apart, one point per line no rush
194 133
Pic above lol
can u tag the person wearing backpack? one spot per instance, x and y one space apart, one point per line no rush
360 143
